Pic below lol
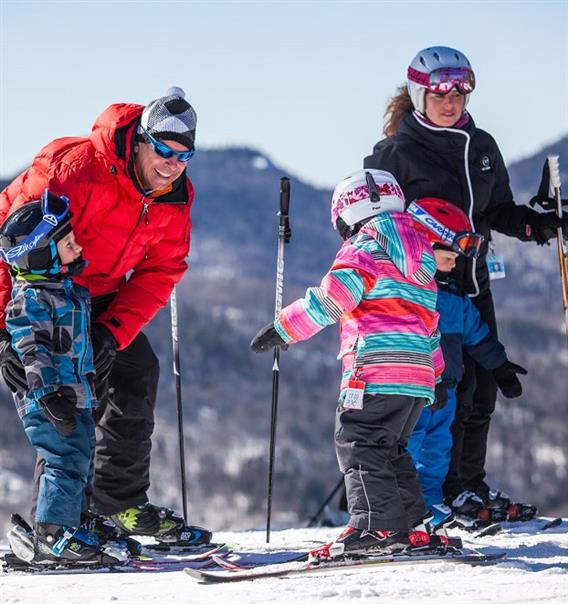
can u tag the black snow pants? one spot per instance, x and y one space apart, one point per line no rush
124 427
477 394
383 490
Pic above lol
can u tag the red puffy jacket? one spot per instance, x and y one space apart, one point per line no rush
136 246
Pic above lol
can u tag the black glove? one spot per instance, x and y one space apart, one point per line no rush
11 367
441 397
506 377
266 339
542 226
104 350
60 411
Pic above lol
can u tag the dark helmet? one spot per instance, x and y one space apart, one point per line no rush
29 236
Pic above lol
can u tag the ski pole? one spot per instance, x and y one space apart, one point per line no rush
554 167
328 499
175 345
284 234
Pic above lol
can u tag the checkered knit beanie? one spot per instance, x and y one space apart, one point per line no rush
170 117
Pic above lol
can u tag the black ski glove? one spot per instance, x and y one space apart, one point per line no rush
541 227
441 397
266 339
60 411
104 350
506 377
11 367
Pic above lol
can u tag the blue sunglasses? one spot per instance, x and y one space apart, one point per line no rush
166 152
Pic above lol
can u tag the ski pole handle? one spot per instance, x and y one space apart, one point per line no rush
554 167
285 230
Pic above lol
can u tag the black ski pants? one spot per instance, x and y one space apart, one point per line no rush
124 427
383 490
477 394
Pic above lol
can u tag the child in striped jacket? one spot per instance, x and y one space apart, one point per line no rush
381 290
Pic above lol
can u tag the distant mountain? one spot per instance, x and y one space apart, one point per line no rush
228 294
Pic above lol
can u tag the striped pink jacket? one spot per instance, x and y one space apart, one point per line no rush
381 290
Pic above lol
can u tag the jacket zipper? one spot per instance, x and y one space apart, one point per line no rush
469 186
143 213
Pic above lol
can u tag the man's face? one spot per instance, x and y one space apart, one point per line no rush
157 172
445 260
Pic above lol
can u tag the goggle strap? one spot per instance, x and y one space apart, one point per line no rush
429 222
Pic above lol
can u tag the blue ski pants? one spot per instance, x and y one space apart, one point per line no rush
68 466
431 445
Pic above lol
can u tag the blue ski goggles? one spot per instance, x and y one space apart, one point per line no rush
55 211
166 152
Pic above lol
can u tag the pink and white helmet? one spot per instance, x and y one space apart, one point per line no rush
365 194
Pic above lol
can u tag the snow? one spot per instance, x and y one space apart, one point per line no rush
535 570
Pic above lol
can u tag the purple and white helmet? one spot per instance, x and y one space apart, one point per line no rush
439 69
365 194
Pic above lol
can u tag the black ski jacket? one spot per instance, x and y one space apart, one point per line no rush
463 166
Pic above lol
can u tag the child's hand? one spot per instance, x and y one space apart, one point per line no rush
506 377
441 397
11 367
266 339
60 411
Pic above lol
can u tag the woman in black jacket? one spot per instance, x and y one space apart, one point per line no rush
434 149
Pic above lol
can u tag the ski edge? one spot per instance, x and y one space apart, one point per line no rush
225 576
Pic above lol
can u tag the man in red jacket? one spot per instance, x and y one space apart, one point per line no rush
130 200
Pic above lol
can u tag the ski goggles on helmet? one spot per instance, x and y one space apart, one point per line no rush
55 212
445 79
464 243
166 152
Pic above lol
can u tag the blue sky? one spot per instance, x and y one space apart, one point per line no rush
304 82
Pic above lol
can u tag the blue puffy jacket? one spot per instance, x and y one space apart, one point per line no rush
49 321
461 327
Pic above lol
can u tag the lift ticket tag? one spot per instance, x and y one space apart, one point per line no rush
354 395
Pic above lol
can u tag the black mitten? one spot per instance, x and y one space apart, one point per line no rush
266 339
11 367
104 350
441 397
60 411
506 377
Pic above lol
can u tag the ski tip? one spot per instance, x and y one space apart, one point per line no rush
552 524
194 572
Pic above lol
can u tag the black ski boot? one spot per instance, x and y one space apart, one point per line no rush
466 504
512 511
107 532
357 542
162 523
52 544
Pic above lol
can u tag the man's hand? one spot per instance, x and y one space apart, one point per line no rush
11 367
104 350
60 411
266 339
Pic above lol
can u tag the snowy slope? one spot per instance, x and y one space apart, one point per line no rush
535 570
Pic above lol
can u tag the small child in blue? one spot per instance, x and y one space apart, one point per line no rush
48 318
462 328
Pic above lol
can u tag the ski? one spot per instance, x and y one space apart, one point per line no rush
353 564
203 559
551 524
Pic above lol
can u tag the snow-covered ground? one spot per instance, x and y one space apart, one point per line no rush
535 570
